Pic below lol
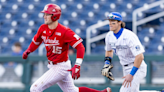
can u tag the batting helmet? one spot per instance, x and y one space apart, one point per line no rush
114 16
52 9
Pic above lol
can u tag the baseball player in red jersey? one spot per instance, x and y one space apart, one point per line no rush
57 39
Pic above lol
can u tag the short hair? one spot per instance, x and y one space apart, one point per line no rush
17 44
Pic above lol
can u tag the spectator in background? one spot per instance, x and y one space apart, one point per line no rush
17 49
11 75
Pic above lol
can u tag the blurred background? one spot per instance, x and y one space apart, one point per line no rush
20 20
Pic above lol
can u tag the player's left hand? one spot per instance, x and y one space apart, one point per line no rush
128 80
25 54
106 71
75 72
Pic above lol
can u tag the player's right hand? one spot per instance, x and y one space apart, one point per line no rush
25 54
75 72
106 71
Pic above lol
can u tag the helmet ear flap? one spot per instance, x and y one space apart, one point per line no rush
55 17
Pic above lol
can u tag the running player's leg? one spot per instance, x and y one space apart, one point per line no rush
51 77
67 85
86 89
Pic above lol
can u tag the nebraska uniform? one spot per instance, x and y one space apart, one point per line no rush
57 44
127 46
57 39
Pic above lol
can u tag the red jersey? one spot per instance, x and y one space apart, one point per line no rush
57 41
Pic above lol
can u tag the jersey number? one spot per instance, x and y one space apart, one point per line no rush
57 50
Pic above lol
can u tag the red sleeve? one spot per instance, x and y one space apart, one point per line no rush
36 41
37 38
80 51
32 47
72 38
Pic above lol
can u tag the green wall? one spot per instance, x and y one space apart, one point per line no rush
27 64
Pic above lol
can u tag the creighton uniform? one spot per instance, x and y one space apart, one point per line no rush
126 45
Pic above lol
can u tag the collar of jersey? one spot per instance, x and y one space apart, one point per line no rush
117 35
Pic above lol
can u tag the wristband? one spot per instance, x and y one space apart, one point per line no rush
79 61
134 70
108 60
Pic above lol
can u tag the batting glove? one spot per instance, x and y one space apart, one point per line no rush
25 54
75 72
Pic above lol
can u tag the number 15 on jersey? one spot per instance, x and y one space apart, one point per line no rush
57 50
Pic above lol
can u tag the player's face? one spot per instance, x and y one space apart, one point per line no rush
47 19
114 25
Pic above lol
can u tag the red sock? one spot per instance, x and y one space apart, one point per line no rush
85 89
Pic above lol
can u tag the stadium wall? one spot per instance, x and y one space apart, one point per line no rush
27 73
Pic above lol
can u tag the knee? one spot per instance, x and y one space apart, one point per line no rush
34 88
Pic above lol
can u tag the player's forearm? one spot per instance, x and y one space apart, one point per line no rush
109 53
80 53
32 47
137 63
138 60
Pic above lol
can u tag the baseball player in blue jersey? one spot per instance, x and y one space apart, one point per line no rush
127 46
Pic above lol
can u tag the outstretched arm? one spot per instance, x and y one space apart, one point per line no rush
32 47
79 58
80 53
36 41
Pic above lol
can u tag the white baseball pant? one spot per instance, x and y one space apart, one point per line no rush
139 75
57 74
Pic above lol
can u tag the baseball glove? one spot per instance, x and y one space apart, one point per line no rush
106 71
